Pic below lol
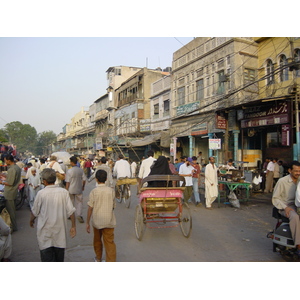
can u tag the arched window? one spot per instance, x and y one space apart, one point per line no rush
297 59
270 72
284 71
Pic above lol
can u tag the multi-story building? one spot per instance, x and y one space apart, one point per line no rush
102 127
133 108
160 114
78 135
272 123
208 76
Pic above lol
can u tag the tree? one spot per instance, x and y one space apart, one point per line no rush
45 139
23 136
3 137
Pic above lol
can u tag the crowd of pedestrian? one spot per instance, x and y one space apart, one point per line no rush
55 195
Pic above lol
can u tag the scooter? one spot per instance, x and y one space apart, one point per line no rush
282 237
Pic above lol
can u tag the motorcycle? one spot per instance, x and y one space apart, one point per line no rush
282 237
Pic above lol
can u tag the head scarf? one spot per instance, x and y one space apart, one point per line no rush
161 167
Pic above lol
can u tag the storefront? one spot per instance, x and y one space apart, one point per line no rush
266 128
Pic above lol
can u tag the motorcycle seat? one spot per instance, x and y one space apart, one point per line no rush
276 214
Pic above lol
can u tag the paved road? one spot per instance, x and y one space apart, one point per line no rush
223 234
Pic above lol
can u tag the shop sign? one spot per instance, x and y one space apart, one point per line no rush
199 129
184 109
214 144
266 115
221 122
285 135
271 120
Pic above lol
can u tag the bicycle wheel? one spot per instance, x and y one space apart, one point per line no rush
126 195
139 223
19 201
118 193
185 220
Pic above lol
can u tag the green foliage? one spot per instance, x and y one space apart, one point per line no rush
45 139
3 137
23 136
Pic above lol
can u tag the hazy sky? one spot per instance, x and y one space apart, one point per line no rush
46 81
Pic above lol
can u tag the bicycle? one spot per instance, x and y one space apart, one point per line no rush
123 192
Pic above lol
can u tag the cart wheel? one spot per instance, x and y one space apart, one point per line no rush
186 220
118 193
126 195
139 223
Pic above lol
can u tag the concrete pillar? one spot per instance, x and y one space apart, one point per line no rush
236 144
210 151
192 145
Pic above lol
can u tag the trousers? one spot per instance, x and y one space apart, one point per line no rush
77 201
11 208
294 224
108 240
52 254
188 191
269 182
196 190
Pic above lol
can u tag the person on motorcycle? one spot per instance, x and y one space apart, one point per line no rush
283 199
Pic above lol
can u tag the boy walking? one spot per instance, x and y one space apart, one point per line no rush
101 206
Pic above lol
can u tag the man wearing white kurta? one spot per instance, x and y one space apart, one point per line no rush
52 207
146 165
211 182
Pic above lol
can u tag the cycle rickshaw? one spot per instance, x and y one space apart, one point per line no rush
162 207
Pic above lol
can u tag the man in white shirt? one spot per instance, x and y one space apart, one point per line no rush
146 165
122 168
52 207
269 177
187 170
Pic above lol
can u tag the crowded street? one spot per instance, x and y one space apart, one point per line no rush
224 234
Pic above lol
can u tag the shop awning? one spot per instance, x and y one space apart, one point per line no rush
147 140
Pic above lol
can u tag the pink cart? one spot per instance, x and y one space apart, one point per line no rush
162 207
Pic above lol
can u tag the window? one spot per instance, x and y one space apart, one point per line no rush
249 75
166 108
221 83
117 71
270 72
284 71
156 111
181 95
274 139
200 90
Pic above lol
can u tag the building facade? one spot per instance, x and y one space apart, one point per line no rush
207 82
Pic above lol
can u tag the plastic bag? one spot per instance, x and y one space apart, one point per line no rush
234 201
6 217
